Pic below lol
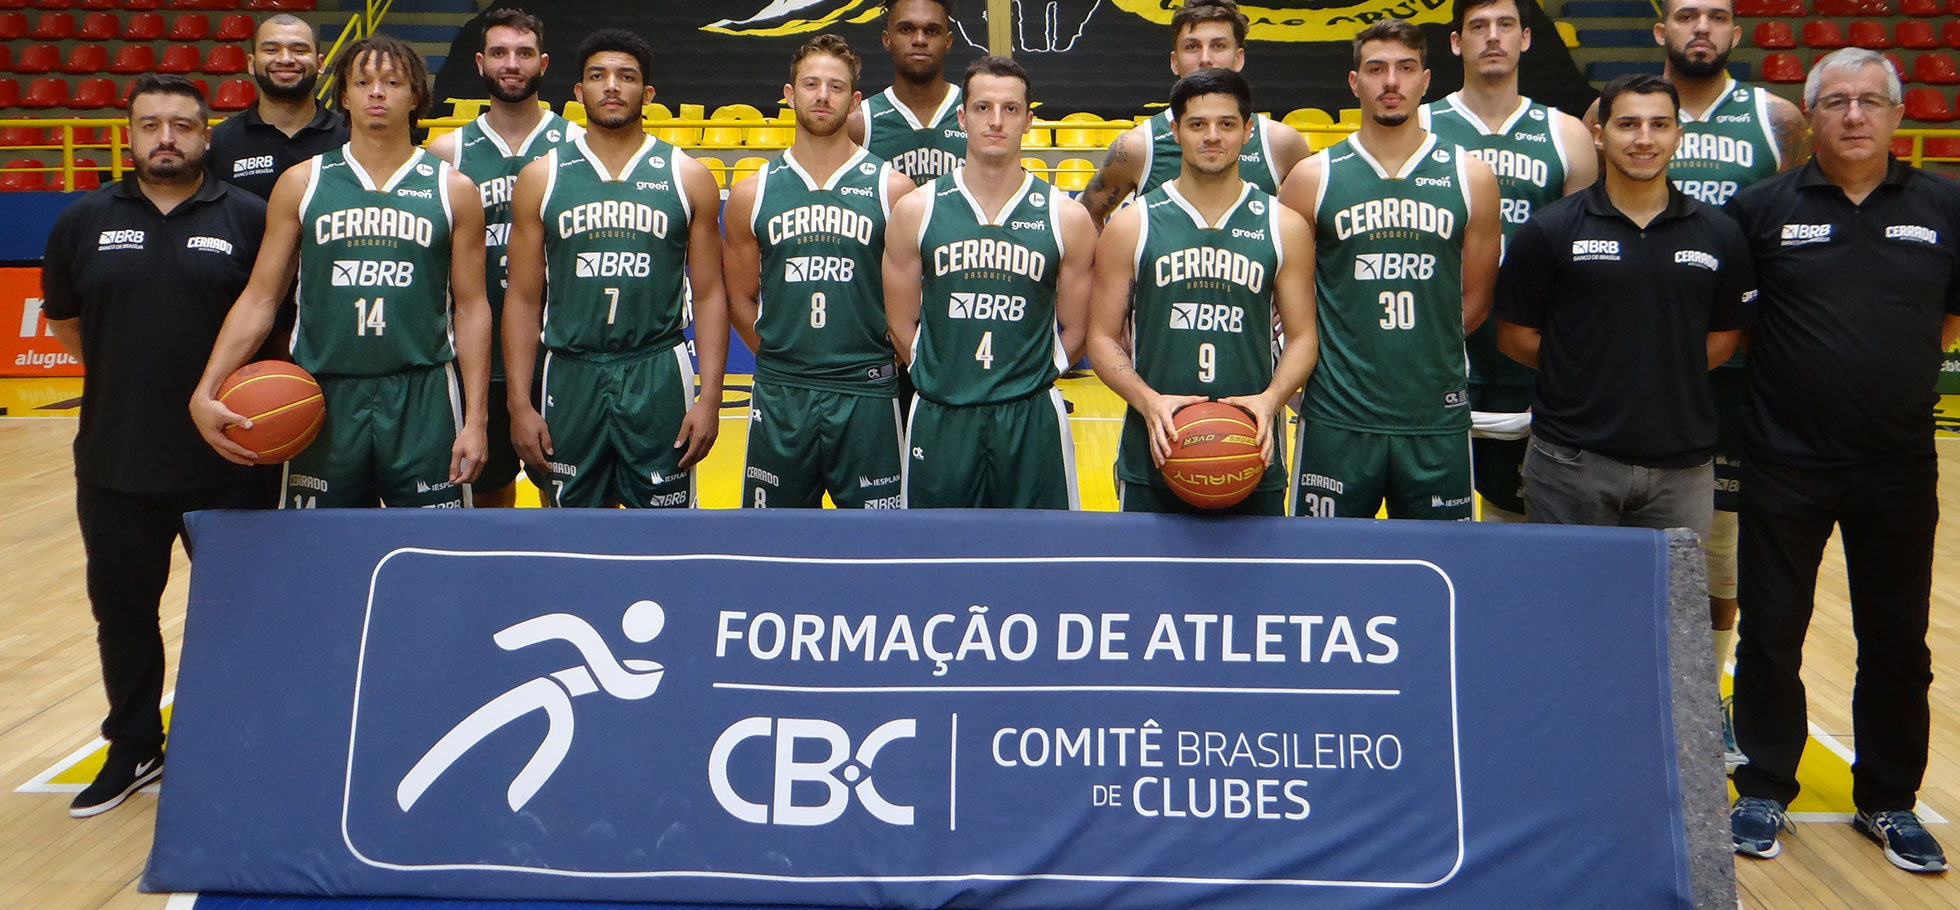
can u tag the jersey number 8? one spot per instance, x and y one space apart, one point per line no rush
817 316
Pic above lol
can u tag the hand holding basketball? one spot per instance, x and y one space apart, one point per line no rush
1218 459
1160 421
272 409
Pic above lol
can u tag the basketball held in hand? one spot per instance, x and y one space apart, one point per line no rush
1215 461
282 401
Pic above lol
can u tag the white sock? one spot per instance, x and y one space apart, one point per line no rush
1724 647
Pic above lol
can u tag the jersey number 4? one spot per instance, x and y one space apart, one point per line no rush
368 315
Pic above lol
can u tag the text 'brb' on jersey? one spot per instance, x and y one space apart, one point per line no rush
1529 159
1203 309
987 301
1727 147
822 324
1165 158
921 151
484 157
615 251
1388 275
374 268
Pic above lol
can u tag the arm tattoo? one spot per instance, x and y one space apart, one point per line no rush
1792 135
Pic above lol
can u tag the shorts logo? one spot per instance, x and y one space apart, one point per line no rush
918 453
1917 232
1749 295
1697 258
1256 207
210 244
867 481
1802 234
551 694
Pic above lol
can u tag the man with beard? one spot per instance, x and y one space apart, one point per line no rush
1407 239
387 243
913 124
1731 136
490 150
136 279
612 221
286 126
804 242
1212 243
1539 154
1204 33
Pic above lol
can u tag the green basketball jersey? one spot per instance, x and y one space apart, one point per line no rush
921 151
1726 147
615 251
1388 274
1202 312
374 267
822 324
987 301
1164 158
483 156
1530 161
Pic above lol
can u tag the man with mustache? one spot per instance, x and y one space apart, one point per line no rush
286 126
1407 239
136 279
513 132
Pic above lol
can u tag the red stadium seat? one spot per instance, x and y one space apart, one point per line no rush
1942 148
36 59
1902 146
45 93
225 60
13 26
1915 34
20 136
1953 7
142 4
134 58
96 4
1920 7
1935 69
9 93
287 6
1928 105
1822 33
53 4
197 27
205 4
1775 35
1898 66
1781 67
99 27
16 178
86 177
235 95
1950 33
1838 7
94 94
1868 34
179 58
13 4
143 27
85 59
6 59
235 27
53 26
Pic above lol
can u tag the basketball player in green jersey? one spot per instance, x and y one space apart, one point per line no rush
1198 266
611 221
512 132
1407 239
386 239
1732 135
1538 154
803 244
914 124
1204 33
983 268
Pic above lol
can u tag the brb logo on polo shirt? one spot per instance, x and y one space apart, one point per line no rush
1802 234
1595 251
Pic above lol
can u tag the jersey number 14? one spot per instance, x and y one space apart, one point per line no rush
368 315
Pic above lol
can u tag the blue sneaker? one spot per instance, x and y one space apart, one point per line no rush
1732 757
1753 824
1906 842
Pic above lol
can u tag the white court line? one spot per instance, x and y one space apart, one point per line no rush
43 782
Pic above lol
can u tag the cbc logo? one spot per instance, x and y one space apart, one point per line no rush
840 772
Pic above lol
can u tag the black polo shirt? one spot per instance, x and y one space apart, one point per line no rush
249 153
1624 313
1845 355
151 291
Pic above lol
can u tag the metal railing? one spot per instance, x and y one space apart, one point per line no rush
360 25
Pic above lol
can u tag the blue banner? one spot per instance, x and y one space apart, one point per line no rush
965 709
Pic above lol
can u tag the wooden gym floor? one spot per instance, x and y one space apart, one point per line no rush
51 701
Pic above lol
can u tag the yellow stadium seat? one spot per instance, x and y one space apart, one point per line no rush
777 135
729 131
1038 167
747 166
685 136
1083 137
1073 174
1307 118
467 108
1350 115
573 111
1038 138
1567 34
717 168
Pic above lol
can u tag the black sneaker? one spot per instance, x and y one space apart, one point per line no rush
119 777
1907 843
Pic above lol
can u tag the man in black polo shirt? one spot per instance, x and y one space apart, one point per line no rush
1860 294
138 277
286 126
1624 296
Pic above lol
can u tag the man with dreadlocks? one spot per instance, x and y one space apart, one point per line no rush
384 236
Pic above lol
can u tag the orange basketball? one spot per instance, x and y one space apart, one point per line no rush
1215 462
283 402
